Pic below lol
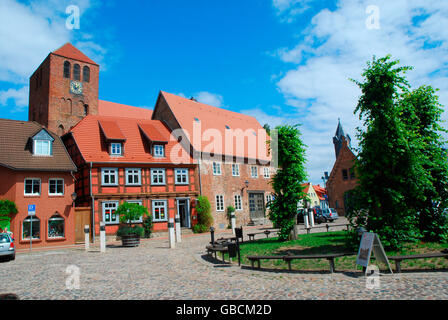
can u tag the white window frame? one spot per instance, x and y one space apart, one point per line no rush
48 142
133 172
115 154
216 166
239 201
158 154
109 173
266 173
63 187
235 169
31 235
180 172
103 208
53 217
158 173
32 194
153 209
219 202
252 171
139 202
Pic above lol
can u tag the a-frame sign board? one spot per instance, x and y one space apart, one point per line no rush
369 242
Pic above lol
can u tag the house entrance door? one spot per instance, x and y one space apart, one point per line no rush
256 206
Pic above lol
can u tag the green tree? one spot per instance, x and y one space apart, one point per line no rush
421 113
267 128
288 179
395 184
205 219
7 208
128 213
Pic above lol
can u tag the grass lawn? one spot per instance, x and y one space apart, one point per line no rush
333 242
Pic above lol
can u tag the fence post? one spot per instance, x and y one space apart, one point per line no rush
171 233
86 237
102 237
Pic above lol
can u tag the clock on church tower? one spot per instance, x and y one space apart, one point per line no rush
64 89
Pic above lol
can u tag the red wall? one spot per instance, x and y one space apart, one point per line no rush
12 188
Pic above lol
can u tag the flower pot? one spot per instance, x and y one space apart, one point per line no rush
130 240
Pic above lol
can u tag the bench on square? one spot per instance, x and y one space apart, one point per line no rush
214 248
329 256
398 259
252 259
252 235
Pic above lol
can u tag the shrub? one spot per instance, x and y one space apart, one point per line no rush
148 224
6 209
200 228
230 210
204 212
126 230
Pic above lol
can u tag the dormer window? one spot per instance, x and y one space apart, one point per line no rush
116 149
159 151
43 144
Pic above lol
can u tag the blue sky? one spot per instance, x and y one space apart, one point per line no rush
282 61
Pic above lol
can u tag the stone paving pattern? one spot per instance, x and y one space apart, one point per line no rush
152 271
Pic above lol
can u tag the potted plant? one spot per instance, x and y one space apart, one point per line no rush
129 232
230 211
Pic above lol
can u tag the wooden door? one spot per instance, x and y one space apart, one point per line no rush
256 206
82 218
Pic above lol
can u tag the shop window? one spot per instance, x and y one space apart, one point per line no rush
31 227
109 212
159 210
56 227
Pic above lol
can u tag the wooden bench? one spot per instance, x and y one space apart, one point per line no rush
217 248
398 259
252 235
252 259
330 257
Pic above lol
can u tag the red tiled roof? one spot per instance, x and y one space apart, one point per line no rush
152 134
190 114
69 51
111 130
87 134
111 109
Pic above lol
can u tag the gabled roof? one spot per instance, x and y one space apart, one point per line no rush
111 109
191 114
94 148
16 148
111 130
71 52
151 133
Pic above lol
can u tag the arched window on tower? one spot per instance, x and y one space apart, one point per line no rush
61 130
86 109
86 74
67 69
77 72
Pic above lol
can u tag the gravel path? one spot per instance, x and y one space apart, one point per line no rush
152 271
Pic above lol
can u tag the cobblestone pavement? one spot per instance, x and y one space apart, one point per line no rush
152 271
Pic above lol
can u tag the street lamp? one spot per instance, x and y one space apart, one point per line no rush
74 196
246 185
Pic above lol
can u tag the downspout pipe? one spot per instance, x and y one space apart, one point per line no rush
93 203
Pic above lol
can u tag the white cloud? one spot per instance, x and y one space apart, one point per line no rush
19 97
29 32
288 9
336 46
209 98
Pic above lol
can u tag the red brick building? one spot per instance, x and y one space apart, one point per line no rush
343 176
231 152
35 169
64 90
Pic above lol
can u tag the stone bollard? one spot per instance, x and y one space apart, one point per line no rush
171 233
86 237
233 222
102 237
306 221
178 229
311 214
212 235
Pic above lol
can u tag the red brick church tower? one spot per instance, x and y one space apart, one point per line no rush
64 89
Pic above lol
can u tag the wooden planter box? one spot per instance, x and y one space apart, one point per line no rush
131 240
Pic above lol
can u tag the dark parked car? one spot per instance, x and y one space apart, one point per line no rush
318 217
7 246
330 214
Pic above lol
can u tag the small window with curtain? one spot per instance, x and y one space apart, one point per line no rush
67 69
56 227
77 72
86 74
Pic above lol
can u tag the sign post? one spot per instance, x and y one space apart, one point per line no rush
31 214
371 242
